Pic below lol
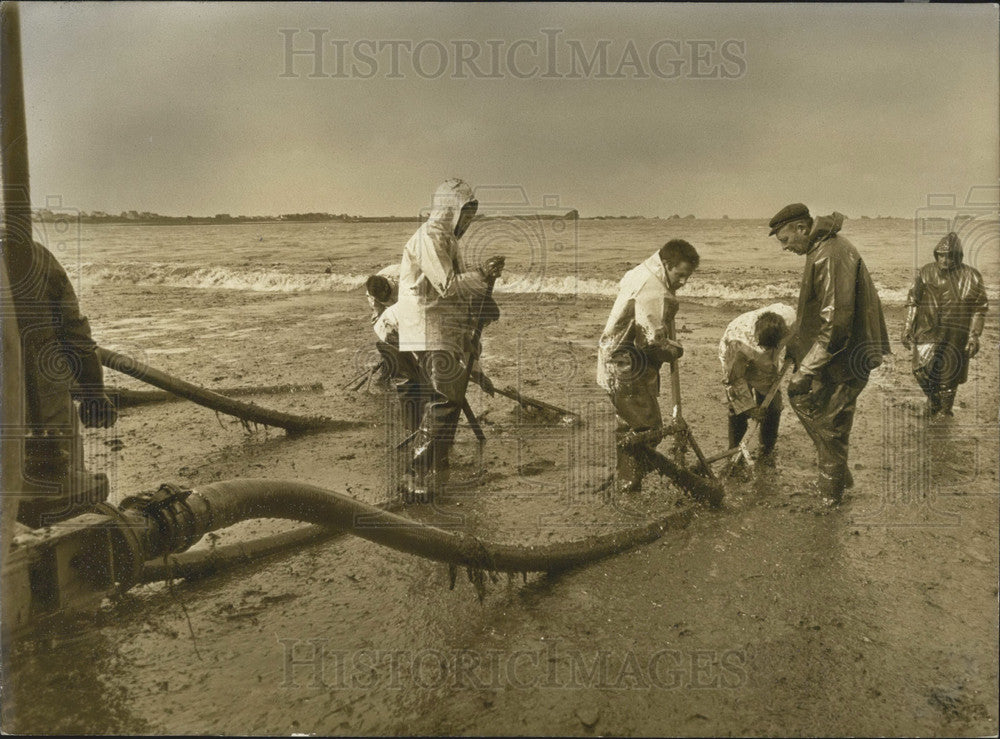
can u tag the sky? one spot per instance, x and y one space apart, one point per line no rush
200 108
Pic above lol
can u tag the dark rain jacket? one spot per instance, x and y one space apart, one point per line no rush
945 302
841 333
59 355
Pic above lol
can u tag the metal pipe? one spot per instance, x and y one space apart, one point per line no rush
15 588
14 143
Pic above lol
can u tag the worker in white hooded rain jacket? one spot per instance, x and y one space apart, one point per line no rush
638 338
435 292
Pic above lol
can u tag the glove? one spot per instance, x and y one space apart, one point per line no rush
756 414
491 268
98 412
670 352
907 339
799 385
972 348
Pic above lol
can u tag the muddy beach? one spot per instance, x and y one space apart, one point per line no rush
774 615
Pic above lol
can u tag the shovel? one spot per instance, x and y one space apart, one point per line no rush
683 434
526 402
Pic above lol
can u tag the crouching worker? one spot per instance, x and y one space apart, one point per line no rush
60 366
636 342
435 293
403 373
946 311
752 351
382 289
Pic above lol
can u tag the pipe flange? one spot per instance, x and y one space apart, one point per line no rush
168 507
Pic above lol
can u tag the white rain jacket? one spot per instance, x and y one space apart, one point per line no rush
641 316
391 273
746 365
387 331
387 325
435 290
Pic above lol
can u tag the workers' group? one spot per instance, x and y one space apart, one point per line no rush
429 311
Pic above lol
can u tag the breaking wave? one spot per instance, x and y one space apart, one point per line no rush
256 279
260 279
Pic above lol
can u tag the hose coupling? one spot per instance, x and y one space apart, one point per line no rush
168 506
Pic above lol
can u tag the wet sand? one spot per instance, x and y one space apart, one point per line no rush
775 615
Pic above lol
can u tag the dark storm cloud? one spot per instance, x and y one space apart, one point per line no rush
182 108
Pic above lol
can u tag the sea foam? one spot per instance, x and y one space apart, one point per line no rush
258 279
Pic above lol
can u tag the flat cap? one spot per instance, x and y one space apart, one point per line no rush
789 213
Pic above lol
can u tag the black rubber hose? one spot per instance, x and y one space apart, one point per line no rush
247 411
203 562
126 398
223 504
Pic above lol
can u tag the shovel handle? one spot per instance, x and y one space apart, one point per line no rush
764 405
675 384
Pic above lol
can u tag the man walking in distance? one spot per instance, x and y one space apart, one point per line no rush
635 343
946 309
839 338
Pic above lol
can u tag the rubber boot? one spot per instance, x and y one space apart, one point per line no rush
947 399
429 471
628 472
831 487
380 381
933 404
62 490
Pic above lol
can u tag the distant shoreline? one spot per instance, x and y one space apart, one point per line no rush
257 220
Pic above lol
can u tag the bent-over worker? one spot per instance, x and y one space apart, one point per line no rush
752 350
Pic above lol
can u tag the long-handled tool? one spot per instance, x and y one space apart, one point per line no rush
363 377
743 448
683 433
524 400
473 422
476 335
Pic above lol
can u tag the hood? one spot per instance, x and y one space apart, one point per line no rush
826 226
952 246
446 206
